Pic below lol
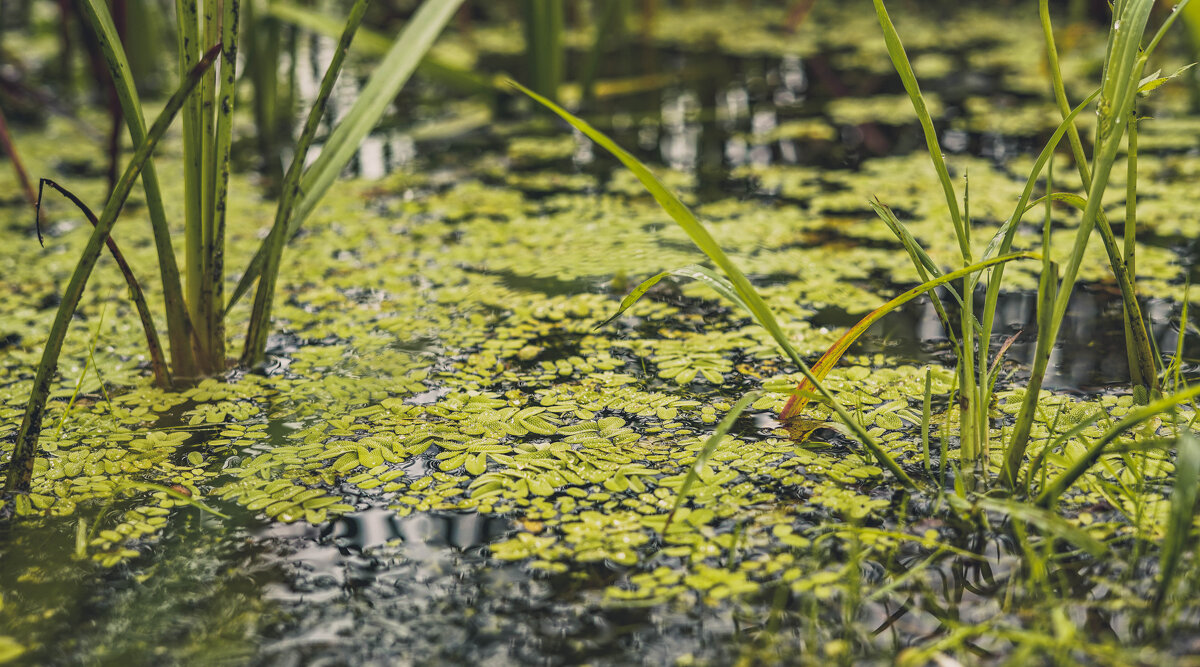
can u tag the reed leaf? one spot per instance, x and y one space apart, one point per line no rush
703 240
179 324
260 317
20 468
382 87
1181 514
706 453
213 291
835 351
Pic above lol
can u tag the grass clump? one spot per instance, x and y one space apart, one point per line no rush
196 307
971 335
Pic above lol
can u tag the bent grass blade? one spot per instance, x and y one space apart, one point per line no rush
700 236
835 351
158 362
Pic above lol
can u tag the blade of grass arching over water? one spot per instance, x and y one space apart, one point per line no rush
706 452
696 272
684 217
260 317
20 468
1181 515
373 100
158 363
179 326
835 351
1060 484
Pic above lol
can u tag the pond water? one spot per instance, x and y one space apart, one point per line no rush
446 462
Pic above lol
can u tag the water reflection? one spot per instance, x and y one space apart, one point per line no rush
460 530
1090 352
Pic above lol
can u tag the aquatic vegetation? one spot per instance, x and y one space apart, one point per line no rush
442 452
196 324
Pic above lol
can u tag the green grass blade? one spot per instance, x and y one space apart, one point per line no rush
372 43
708 245
386 81
260 317
20 468
835 351
187 19
179 327
158 363
1178 10
904 68
1060 484
696 272
1181 515
1019 440
1049 522
706 452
